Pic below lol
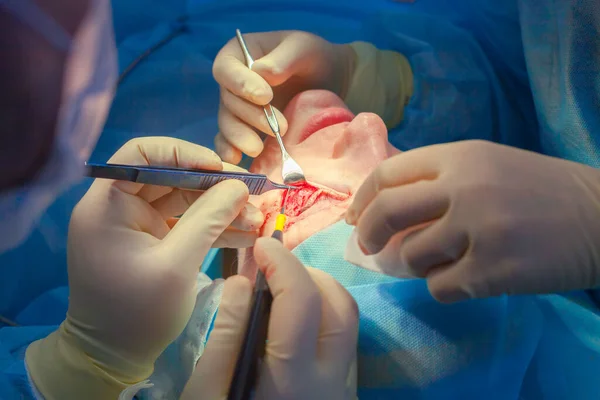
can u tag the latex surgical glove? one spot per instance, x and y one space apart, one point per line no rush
479 219
132 271
290 62
312 337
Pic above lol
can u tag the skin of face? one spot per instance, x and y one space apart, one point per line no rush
336 150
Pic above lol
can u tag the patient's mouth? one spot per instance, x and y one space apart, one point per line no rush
325 118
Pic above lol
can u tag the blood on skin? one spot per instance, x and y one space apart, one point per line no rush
308 197
300 203
302 197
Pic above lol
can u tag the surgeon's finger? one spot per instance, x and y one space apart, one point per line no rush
233 168
252 114
294 55
226 150
339 324
440 243
233 238
418 250
151 193
296 309
175 203
163 152
205 220
402 169
231 72
396 209
178 201
238 133
458 281
213 373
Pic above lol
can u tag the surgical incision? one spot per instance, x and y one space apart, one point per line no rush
309 197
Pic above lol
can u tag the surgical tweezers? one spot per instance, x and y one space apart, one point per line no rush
290 170
190 179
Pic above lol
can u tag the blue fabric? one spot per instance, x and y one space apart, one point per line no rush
14 382
458 93
562 50
171 92
483 69
410 346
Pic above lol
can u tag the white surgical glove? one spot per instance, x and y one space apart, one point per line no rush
313 329
291 62
479 219
382 83
132 271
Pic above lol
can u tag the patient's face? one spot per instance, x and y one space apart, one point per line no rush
336 151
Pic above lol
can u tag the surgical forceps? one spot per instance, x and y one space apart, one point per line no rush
190 179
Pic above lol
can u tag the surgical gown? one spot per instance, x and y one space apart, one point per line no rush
520 72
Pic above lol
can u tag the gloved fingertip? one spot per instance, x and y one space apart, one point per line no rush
258 93
236 191
266 66
253 216
448 298
362 248
234 157
273 72
226 151
253 148
443 288
250 219
350 217
282 121
264 249
233 168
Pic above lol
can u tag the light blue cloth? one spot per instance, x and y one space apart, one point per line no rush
483 69
410 346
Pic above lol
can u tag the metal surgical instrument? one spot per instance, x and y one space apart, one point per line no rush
290 170
246 371
191 179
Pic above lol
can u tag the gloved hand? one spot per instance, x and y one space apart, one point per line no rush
132 271
486 220
291 61
311 348
368 79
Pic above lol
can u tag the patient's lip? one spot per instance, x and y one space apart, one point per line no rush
327 117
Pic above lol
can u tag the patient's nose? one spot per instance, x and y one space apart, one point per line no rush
365 138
